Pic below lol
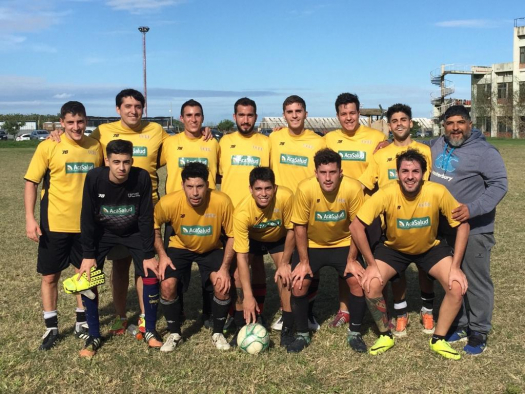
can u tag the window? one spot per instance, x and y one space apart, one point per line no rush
504 124
522 55
503 90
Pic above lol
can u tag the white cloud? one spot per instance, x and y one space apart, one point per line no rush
471 23
62 95
138 6
29 15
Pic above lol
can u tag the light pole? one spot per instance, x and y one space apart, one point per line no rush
144 30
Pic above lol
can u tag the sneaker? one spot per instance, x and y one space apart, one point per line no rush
118 327
287 337
477 343
401 326
207 321
82 331
341 318
300 342
49 339
142 324
172 341
228 325
442 348
91 347
427 320
219 341
355 341
277 325
312 324
153 339
459 335
383 343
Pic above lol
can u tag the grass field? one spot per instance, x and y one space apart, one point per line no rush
328 366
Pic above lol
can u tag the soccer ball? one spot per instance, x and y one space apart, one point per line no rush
253 338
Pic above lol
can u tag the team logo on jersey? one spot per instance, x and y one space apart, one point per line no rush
240 160
186 160
122 210
140 151
293 160
78 168
329 216
407 224
200 231
352 155
65 152
269 223
392 174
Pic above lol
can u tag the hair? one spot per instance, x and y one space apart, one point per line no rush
293 99
411 155
245 101
457 110
190 103
195 170
346 98
129 93
119 147
262 174
398 108
73 108
327 156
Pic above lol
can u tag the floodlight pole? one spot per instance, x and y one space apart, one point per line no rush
144 30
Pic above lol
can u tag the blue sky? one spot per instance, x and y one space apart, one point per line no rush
217 51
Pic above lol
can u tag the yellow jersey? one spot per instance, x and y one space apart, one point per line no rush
411 224
266 225
327 215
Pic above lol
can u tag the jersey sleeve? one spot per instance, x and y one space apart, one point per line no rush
241 243
301 208
356 203
39 164
372 207
147 232
287 213
370 176
227 218
96 135
160 216
447 204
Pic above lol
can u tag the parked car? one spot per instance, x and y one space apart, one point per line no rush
266 132
217 134
39 135
423 133
22 137
3 135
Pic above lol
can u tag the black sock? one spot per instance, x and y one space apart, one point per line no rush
287 320
180 295
207 298
313 291
51 322
357 309
219 309
171 310
428 300
436 338
300 312
238 317
81 316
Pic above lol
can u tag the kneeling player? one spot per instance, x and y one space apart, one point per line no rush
117 209
197 215
411 207
262 225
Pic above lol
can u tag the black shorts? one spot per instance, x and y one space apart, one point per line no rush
400 261
57 250
323 257
260 248
182 259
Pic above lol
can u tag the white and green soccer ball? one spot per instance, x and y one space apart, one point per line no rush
253 338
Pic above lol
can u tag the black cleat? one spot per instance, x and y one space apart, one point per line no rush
287 337
355 341
300 342
49 339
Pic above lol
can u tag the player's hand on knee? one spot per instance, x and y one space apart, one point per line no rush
285 273
299 273
371 273
164 262
251 309
353 267
222 281
456 275
151 264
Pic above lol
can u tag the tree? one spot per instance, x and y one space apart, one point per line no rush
415 127
12 126
225 125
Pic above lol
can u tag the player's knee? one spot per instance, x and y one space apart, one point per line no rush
376 288
221 296
296 292
51 279
455 292
168 288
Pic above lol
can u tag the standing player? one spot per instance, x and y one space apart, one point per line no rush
474 172
198 215
262 225
412 207
117 209
63 169
381 171
324 207
356 144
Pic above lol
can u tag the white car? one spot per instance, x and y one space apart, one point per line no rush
22 137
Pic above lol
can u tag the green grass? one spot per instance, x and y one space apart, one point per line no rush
327 366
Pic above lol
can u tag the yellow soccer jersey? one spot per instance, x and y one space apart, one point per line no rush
292 157
179 150
63 167
266 225
411 225
327 215
146 145
356 150
239 155
196 229
382 168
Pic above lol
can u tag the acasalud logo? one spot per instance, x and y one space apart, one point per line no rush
352 155
200 231
186 160
301 161
240 160
329 216
78 168
140 151
122 210
407 224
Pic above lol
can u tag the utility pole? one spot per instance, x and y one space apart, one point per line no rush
144 30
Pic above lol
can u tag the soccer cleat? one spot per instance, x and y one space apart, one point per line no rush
118 327
312 324
442 348
477 343
341 318
229 324
74 285
459 335
172 341
355 341
277 325
427 320
219 341
383 343
287 337
153 339
142 324
49 339
401 326
82 331
207 321
301 341
91 347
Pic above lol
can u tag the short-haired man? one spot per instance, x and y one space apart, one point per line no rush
474 172
324 206
412 207
380 172
198 215
117 209
356 144
261 225
63 168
